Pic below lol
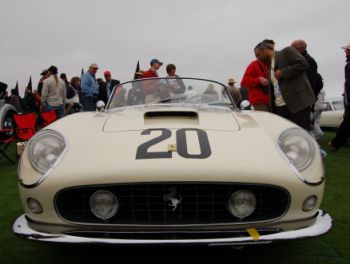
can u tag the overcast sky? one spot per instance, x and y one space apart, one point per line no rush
208 39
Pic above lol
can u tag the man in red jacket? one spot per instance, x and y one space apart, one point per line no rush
256 80
149 87
152 72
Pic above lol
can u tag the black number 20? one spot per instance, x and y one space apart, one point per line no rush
205 151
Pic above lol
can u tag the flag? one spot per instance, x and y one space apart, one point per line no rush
16 88
137 69
137 66
29 86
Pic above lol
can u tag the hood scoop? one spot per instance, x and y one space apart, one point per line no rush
171 114
163 117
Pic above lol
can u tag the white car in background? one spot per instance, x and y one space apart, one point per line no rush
332 116
6 112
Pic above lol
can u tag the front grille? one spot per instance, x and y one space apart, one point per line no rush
147 204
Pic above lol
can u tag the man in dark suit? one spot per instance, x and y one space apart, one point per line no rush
107 87
311 73
344 130
292 90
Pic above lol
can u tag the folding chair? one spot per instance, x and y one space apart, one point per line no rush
48 117
25 126
7 136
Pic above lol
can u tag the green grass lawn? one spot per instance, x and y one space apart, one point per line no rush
333 247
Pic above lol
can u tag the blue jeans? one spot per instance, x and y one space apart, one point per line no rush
59 110
88 103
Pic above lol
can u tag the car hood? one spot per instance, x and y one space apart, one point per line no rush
102 149
141 118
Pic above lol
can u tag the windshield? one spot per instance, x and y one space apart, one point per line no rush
169 91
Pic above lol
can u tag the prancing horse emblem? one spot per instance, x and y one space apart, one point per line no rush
171 197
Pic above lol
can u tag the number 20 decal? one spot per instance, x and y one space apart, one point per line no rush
181 140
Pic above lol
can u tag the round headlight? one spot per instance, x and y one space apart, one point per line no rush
44 149
241 203
298 147
104 204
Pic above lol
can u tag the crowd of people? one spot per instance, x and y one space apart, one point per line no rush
284 82
55 92
287 83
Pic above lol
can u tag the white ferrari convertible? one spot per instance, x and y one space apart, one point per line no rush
171 161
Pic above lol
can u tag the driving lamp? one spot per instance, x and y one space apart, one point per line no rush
104 204
241 203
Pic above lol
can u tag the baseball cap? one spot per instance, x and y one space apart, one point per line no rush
154 61
231 81
107 73
93 65
347 47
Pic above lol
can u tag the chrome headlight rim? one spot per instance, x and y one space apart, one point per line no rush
297 131
30 144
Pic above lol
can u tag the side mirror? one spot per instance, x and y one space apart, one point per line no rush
100 106
245 105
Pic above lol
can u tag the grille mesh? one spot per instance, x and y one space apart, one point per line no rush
150 204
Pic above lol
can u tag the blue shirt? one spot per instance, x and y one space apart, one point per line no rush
89 85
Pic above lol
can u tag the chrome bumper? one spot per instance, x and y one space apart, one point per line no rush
322 224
